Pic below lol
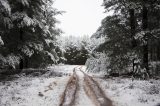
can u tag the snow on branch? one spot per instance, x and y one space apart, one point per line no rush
1 41
5 5
24 2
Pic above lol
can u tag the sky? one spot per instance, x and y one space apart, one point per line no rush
82 17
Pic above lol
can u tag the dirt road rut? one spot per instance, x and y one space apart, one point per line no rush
83 90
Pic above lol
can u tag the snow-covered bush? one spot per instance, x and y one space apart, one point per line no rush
10 61
97 63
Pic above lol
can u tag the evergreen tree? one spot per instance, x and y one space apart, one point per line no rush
28 31
129 33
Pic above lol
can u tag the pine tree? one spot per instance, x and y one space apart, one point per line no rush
129 32
28 32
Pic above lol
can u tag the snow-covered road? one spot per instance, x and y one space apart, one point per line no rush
81 98
46 90
84 92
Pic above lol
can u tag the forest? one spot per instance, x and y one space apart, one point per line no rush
29 37
125 45
131 37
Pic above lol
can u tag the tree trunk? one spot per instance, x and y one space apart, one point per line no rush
21 64
158 52
145 46
26 62
132 25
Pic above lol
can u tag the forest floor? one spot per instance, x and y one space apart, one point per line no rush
53 89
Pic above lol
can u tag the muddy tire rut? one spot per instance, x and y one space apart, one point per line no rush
83 91
95 93
68 97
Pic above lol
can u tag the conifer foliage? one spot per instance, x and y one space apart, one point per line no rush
75 49
132 35
27 33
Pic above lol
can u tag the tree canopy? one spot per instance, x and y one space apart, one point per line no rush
131 34
27 33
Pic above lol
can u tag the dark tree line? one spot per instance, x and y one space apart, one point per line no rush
75 56
75 49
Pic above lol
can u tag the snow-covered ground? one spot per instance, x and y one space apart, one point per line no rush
32 91
47 89
125 92
68 69
35 91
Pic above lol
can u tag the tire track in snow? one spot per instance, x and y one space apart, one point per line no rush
83 90
81 98
94 91
68 97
